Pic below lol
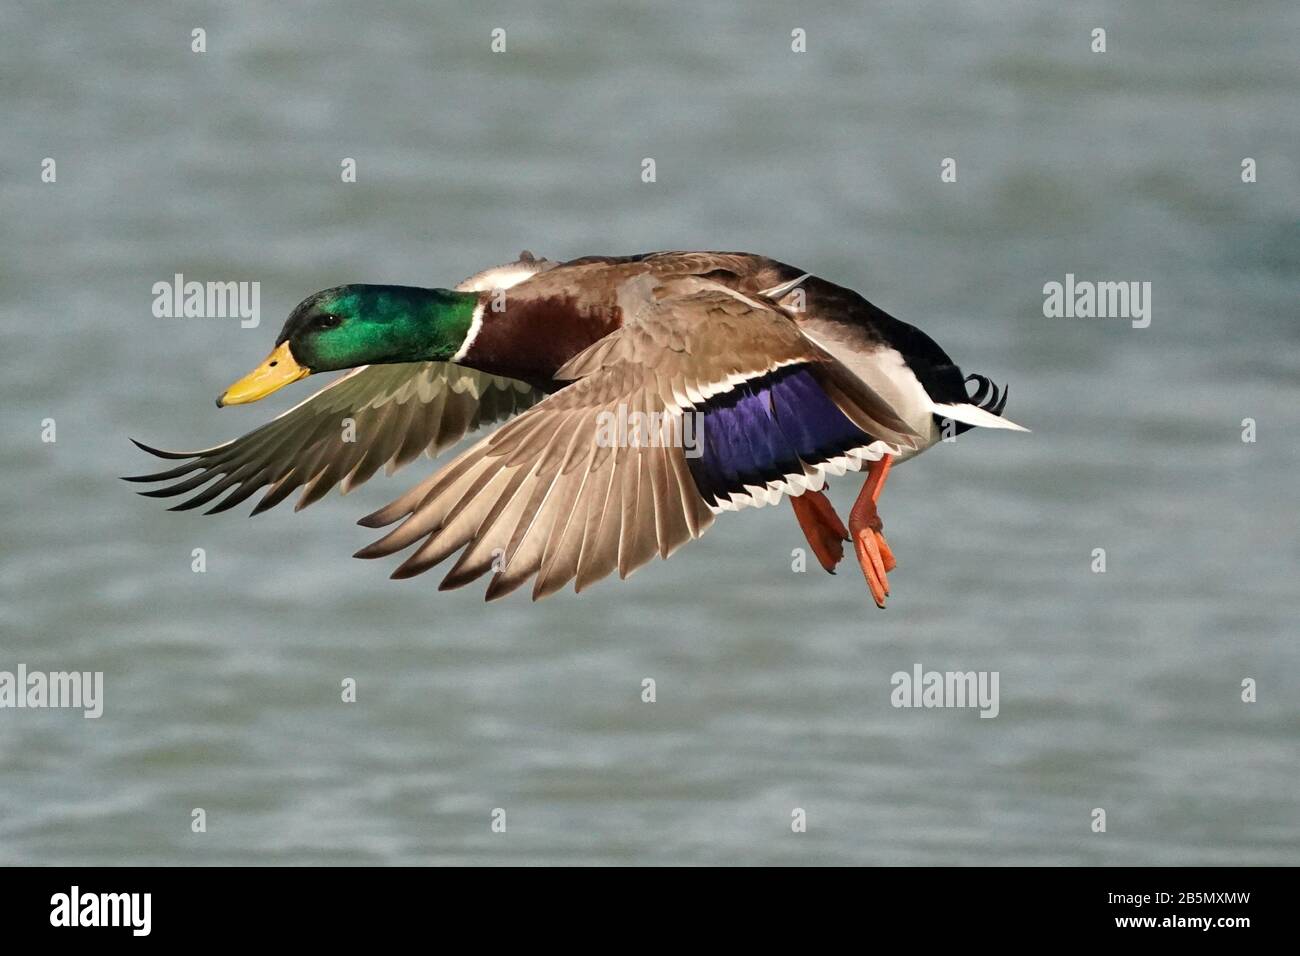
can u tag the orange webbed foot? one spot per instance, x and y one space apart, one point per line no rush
822 527
874 554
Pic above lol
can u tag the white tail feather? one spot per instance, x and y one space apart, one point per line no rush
777 292
974 415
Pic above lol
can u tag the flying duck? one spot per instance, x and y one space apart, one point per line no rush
642 395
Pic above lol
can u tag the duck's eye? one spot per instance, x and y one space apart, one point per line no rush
327 321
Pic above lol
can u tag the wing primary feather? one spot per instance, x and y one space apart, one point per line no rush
306 446
278 491
181 487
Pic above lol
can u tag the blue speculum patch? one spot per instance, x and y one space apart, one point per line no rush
761 430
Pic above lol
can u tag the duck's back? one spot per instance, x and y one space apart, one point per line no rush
549 317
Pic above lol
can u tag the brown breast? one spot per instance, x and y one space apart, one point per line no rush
531 329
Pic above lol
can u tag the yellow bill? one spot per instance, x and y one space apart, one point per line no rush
278 370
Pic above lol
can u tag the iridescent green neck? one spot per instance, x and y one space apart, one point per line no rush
389 323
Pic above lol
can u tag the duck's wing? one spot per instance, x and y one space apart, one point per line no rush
566 493
370 417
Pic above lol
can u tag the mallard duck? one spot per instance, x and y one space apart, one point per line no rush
744 380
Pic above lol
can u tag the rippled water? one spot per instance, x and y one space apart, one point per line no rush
1118 690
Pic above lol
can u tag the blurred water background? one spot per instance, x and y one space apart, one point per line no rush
1118 690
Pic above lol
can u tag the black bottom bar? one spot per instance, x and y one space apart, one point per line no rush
214 905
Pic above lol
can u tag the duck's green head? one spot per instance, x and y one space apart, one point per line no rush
353 325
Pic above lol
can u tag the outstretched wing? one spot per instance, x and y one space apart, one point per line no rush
555 493
370 417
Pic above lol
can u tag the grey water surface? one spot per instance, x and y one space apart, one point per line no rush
1119 690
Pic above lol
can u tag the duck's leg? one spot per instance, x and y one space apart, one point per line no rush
822 527
864 529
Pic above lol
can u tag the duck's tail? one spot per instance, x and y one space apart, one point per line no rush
983 410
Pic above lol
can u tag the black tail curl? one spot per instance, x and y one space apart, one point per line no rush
986 396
